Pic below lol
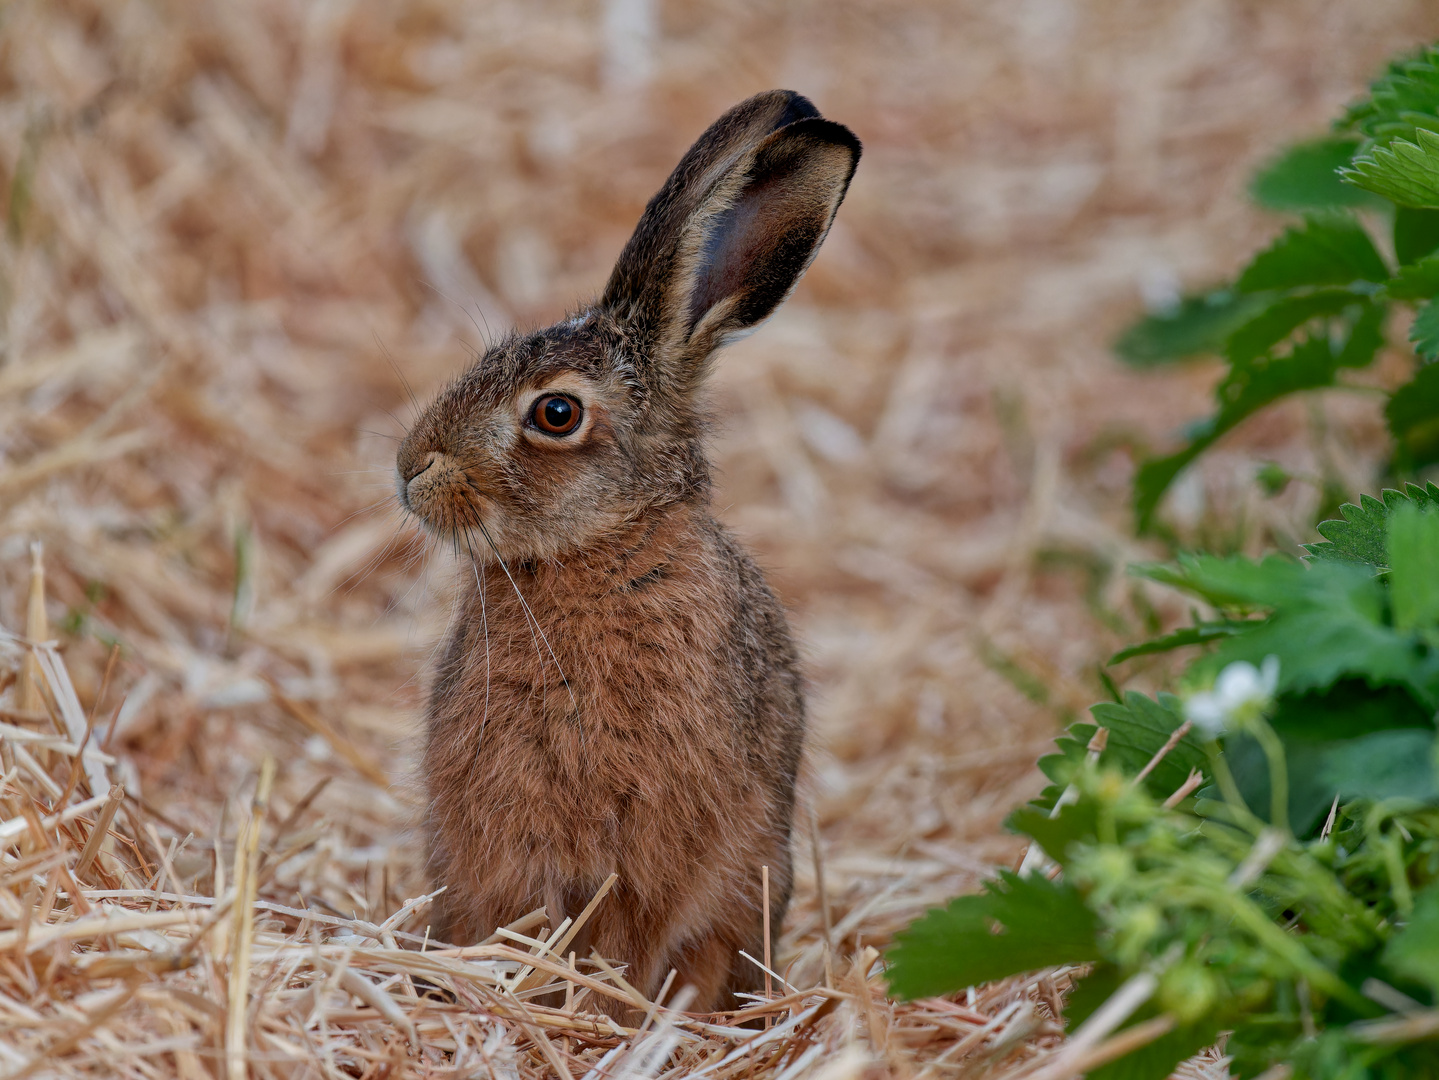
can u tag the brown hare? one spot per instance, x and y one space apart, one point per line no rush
620 693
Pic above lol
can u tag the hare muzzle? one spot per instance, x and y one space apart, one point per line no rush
433 488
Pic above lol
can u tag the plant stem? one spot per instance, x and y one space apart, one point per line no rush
1278 772
1243 816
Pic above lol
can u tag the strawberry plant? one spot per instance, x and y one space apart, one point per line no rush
1315 304
1257 854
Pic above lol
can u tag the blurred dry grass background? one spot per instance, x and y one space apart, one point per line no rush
236 230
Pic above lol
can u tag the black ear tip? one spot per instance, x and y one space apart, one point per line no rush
822 130
793 107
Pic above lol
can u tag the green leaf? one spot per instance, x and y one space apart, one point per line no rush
1150 1062
1327 752
1090 992
1235 582
1040 923
1413 418
1414 952
1418 281
1281 318
1137 728
1361 536
1137 731
1071 746
1155 476
1402 171
1158 1058
1075 822
1248 388
1328 623
1402 100
1416 234
1319 646
1358 538
1347 710
1330 249
1413 547
1273 478
1199 324
1365 338
1199 634
1395 764
1424 333
1305 177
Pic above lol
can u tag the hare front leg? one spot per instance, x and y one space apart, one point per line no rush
628 931
713 966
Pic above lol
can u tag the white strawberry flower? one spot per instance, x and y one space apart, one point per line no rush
1241 692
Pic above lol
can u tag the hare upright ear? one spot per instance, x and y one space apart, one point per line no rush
735 226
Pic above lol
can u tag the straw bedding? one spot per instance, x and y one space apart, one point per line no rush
237 231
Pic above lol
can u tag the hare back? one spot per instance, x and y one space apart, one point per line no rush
635 709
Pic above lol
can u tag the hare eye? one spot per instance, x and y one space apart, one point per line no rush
555 414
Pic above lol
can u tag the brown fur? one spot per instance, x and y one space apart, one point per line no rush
620 693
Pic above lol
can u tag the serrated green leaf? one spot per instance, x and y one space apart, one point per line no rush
1413 548
1040 923
1198 325
1416 234
1360 536
1074 823
1235 582
1306 177
1418 281
1060 766
1281 318
1318 646
1329 249
1201 634
1424 332
1413 418
1327 623
1310 365
1323 735
1413 952
1057 767
1405 172
1137 731
1402 100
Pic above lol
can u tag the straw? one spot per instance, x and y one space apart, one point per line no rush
236 232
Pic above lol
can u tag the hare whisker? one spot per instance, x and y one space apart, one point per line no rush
485 633
531 624
485 337
574 702
417 556
396 541
395 367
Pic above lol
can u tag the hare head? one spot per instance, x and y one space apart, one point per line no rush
552 440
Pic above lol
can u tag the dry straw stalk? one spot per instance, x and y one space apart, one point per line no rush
235 232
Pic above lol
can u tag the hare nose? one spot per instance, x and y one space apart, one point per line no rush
412 474
420 467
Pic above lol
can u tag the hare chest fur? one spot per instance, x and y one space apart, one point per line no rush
667 755
620 694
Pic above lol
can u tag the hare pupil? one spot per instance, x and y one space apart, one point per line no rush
556 415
